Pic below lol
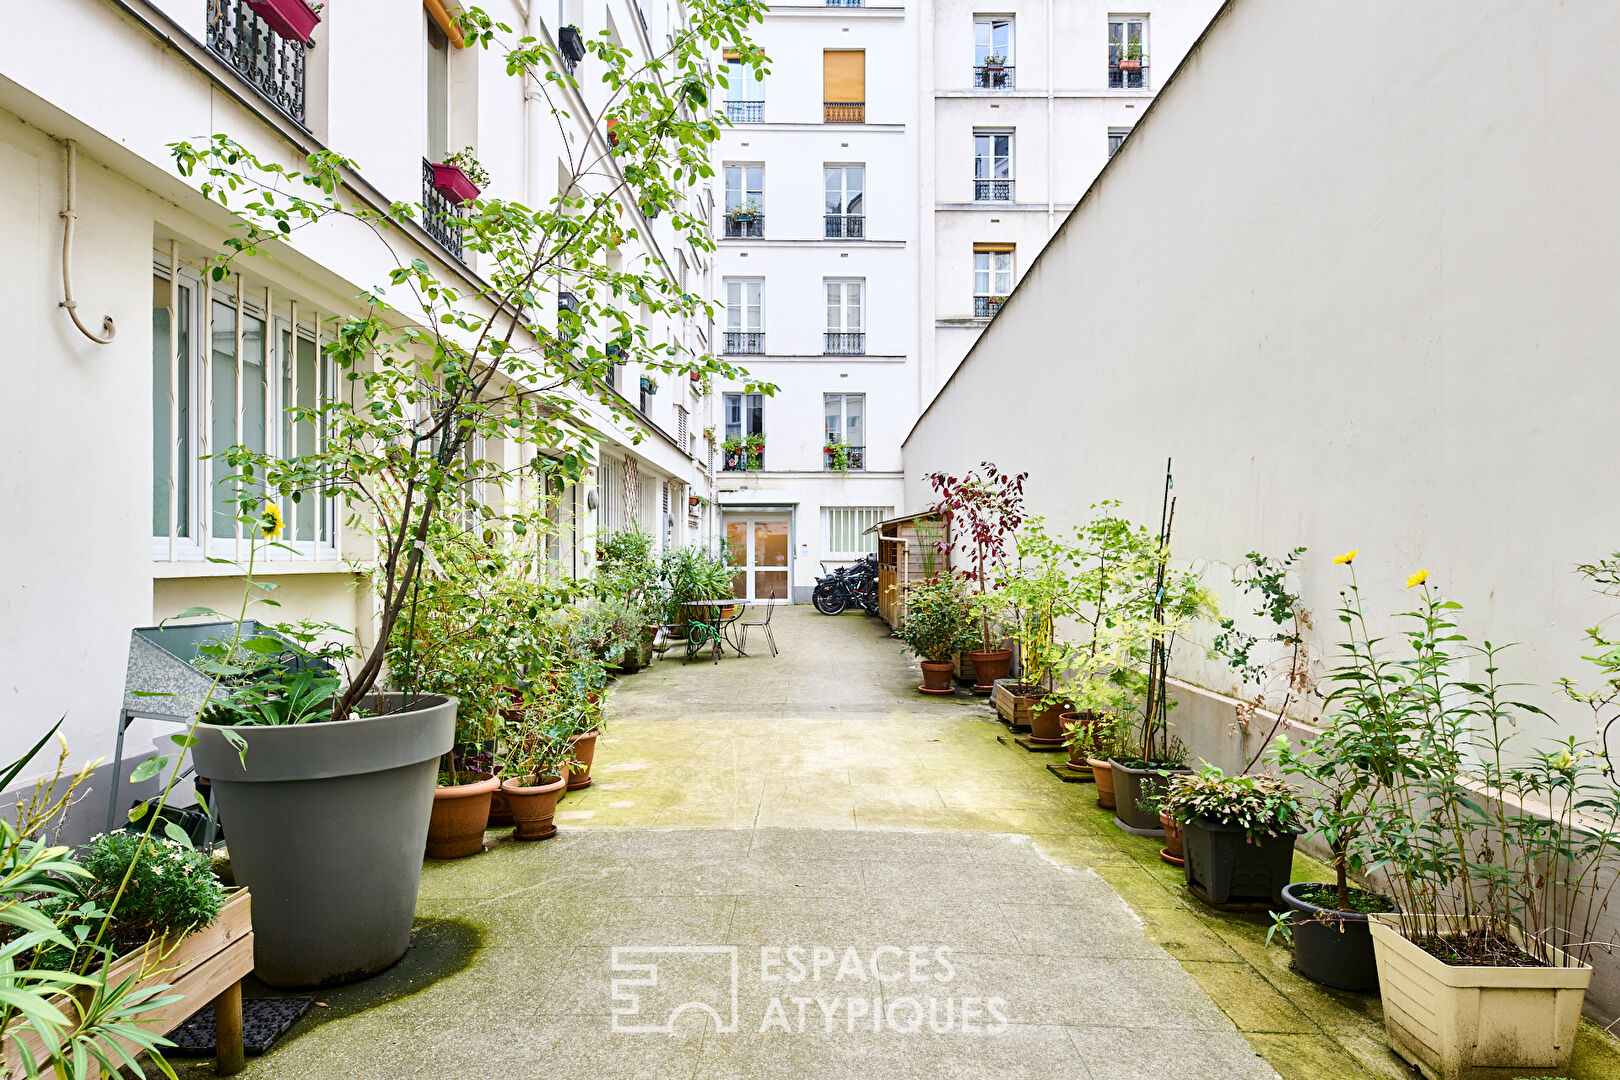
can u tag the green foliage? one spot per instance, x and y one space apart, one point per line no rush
837 455
1109 735
1259 805
1602 698
694 573
1290 668
747 452
288 675
939 618
534 742
171 887
466 160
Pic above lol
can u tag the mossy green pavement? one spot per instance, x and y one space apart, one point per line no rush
818 793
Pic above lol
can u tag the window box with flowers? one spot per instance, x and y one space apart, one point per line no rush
746 454
837 455
459 177
291 19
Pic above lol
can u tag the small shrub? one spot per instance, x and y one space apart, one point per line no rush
1259 805
173 888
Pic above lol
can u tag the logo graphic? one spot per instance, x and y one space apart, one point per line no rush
696 978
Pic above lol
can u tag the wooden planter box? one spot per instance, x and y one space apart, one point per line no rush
1010 705
204 966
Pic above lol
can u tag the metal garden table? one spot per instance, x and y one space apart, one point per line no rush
713 627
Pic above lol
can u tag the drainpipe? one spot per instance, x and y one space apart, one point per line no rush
69 217
1051 85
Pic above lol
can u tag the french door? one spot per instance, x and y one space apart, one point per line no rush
760 547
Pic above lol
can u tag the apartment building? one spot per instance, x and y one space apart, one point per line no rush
114 514
884 187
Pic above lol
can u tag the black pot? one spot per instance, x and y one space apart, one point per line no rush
570 44
1227 868
1331 947
1131 787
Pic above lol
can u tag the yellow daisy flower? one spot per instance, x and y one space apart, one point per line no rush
1417 579
270 521
1347 557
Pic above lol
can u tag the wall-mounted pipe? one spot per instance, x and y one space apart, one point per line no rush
69 217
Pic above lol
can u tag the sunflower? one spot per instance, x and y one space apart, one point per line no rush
270 521
1347 557
1417 579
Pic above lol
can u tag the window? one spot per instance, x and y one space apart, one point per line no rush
745 201
992 277
744 444
992 166
609 496
846 327
843 86
745 314
437 111
745 92
845 442
1116 139
255 368
1127 52
846 203
681 436
992 53
847 528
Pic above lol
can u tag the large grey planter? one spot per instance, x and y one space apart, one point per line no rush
327 825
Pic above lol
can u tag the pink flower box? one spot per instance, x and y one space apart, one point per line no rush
453 184
292 19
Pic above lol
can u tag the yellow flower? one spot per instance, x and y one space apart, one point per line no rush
270 521
1417 579
1348 556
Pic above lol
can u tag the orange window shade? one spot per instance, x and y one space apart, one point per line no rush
995 247
843 75
731 56
436 11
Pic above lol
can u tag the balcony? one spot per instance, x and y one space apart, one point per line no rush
745 112
742 458
992 190
1128 74
844 112
846 3
265 60
989 77
745 226
845 344
440 217
745 343
854 457
845 226
985 307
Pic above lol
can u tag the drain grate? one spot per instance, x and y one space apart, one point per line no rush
264 1020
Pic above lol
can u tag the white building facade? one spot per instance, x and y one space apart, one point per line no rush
880 192
101 454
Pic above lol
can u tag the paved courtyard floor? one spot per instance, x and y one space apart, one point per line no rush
808 870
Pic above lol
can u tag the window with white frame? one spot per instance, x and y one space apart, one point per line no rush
1116 139
609 496
745 91
436 112
993 52
846 317
848 528
992 277
745 200
262 360
1127 52
844 445
680 428
745 315
743 416
845 211
992 166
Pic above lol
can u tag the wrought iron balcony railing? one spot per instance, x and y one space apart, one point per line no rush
745 342
844 112
440 217
1127 75
992 190
987 77
268 62
986 306
845 344
854 456
745 112
745 226
743 460
845 226
846 3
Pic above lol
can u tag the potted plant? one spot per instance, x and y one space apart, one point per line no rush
649 384
1094 744
292 19
995 62
694 501
459 177
1043 590
938 624
571 43
1238 834
1131 58
837 455
744 452
982 511
746 211
537 756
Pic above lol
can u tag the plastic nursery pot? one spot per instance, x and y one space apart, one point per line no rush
988 666
327 824
584 752
291 19
1132 787
460 816
937 677
1462 1023
1103 773
1331 947
452 183
1171 852
534 805
1224 866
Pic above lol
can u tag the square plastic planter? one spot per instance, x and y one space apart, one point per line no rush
452 183
1224 867
292 19
1477 1023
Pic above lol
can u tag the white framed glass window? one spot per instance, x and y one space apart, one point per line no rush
992 166
847 529
745 305
1116 139
845 418
992 43
846 306
744 415
992 278
1127 52
745 188
845 208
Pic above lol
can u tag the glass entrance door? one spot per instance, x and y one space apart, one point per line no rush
760 548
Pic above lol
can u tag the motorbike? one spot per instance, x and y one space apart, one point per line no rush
846 586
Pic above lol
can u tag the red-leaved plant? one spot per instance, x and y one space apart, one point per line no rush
981 510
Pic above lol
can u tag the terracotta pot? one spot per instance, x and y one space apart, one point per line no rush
1103 773
534 806
1072 720
988 666
1171 852
1046 724
585 751
460 816
937 677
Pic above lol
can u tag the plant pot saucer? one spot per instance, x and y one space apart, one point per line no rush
1164 853
1242 906
1134 831
545 834
937 693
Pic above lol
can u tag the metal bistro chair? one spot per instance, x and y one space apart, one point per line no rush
764 624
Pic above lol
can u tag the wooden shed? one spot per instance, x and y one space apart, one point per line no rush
908 552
